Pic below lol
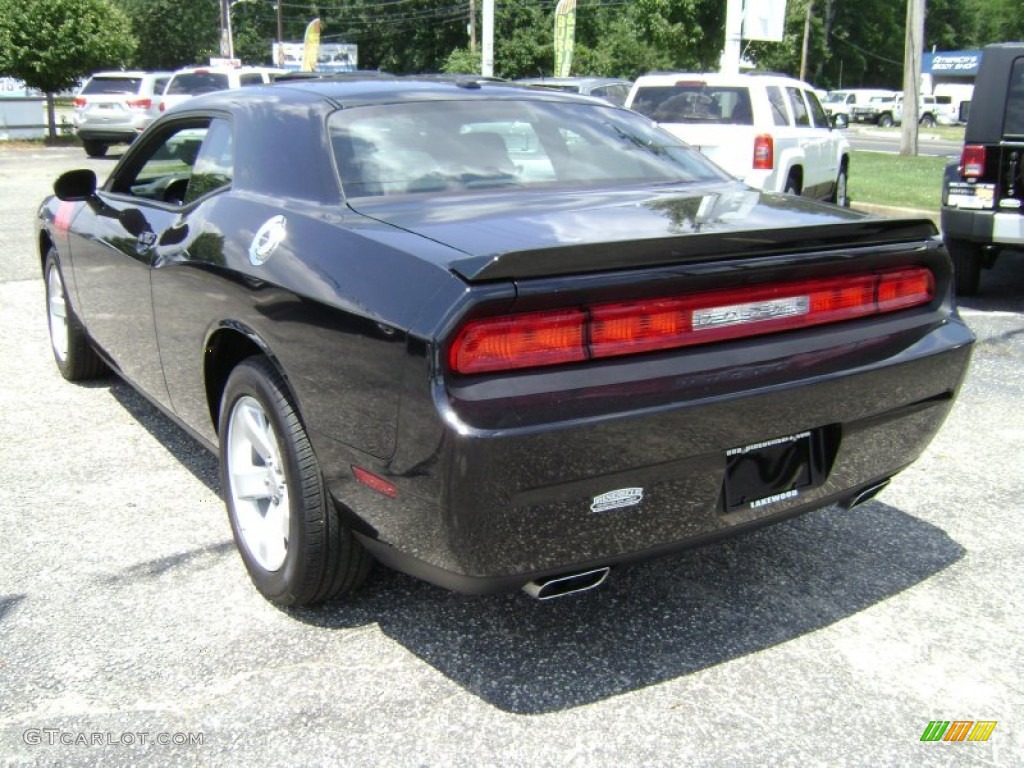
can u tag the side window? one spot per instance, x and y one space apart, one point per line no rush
799 108
1013 122
817 111
159 84
214 166
778 104
162 173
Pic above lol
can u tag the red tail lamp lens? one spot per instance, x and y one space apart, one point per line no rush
764 152
519 341
139 103
611 330
972 161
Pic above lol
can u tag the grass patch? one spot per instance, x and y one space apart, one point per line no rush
903 182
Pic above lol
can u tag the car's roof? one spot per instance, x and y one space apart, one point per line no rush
717 78
128 73
221 70
356 91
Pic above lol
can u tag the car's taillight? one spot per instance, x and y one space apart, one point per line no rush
139 103
610 330
972 161
79 102
519 341
764 152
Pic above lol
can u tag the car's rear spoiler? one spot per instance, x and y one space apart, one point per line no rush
715 246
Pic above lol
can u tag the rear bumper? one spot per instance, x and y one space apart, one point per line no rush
488 500
986 227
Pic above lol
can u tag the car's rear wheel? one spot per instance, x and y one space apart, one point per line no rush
296 546
72 351
928 121
840 196
885 121
94 148
966 257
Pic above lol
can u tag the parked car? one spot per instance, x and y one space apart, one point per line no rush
770 131
115 107
887 111
192 81
837 104
495 337
983 190
610 89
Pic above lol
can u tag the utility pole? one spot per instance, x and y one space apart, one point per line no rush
280 36
730 64
487 60
472 26
913 49
807 38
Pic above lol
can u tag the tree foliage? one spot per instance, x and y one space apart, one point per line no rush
52 44
174 33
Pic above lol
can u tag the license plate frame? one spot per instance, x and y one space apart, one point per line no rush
763 474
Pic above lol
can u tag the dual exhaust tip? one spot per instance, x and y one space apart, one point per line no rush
566 584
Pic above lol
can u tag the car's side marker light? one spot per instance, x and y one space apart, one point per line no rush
533 339
372 481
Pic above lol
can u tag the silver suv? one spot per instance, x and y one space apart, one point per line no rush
186 83
115 107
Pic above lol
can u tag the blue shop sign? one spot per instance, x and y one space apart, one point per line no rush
952 63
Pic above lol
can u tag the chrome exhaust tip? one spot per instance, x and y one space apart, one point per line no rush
866 495
566 584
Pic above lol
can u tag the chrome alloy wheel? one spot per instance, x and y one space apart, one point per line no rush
57 312
257 483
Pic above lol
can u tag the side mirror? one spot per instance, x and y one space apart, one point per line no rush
75 186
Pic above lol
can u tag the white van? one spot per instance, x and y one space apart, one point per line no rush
837 104
186 83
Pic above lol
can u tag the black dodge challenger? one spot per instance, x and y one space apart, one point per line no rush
489 336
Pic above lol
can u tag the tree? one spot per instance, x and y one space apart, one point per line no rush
174 33
52 44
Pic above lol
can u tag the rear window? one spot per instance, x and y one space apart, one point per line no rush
458 146
115 84
695 103
194 83
1013 123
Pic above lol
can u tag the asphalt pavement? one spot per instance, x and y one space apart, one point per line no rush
130 634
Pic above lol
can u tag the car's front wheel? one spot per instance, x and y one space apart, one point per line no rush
296 546
72 351
928 121
966 257
885 121
94 148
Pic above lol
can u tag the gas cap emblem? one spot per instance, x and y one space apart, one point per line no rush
266 240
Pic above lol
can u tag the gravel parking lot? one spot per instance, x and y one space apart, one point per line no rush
130 634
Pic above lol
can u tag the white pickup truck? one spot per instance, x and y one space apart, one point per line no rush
886 112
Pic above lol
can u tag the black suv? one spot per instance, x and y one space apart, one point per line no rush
983 193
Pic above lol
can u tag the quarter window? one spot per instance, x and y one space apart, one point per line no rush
799 107
778 104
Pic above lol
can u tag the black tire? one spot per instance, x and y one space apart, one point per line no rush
841 194
928 121
885 121
72 351
321 558
94 148
966 257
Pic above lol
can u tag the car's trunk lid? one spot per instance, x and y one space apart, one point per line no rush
504 236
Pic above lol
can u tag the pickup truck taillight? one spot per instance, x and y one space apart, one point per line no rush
972 161
533 339
764 152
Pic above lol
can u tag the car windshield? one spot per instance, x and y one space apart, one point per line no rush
835 97
441 146
101 85
695 103
194 83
